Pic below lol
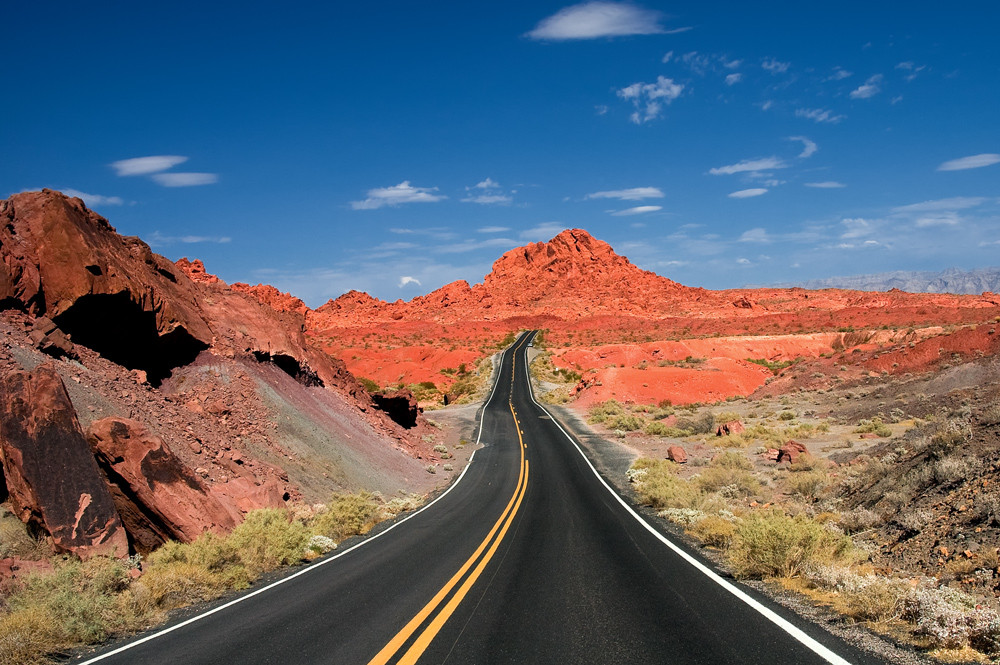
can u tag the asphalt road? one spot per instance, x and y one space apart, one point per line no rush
528 558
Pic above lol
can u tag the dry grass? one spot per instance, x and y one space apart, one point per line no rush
772 544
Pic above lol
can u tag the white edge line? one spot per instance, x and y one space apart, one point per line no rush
793 630
312 567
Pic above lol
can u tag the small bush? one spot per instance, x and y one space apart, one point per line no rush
808 484
267 539
347 515
657 429
627 423
786 415
732 483
732 460
703 424
659 486
772 544
368 384
874 426
600 413
714 531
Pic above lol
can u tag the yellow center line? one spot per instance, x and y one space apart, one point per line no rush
425 638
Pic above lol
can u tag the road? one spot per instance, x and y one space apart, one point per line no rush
528 558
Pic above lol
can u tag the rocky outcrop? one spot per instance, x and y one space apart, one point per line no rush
54 483
400 405
677 454
732 427
272 297
157 496
791 452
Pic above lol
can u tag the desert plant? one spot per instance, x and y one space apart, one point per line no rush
874 426
268 538
714 531
772 544
347 515
626 423
600 413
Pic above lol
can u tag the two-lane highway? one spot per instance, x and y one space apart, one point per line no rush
528 558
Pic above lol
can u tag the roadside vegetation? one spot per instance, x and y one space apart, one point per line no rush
558 382
75 603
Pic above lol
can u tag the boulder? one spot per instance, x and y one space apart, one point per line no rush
48 339
677 454
791 451
732 427
157 496
54 483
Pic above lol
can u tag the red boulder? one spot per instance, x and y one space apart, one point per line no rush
53 480
158 497
732 427
677 454
791 451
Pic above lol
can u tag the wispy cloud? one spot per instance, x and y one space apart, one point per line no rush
185 179
593 20
396 195
649 98
826 184
764 164
493 229
948 218
677 31
158 239
487 192
733 79
747 193
839 74
94 200
809 147
758 235
953 203
970 162
870 88
633 194
911 68
146 165
819 115
637 210
406 279
775 66
858 227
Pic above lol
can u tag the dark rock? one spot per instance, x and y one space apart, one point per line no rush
401 406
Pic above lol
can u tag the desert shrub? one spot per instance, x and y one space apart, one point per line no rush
347 515
731 460
659 486
950 469
730 482
944 616
807 484
786 415
714 531
657 429
726 417
864 597
600 413
703 424
772 544
990 415
626 423
267 539
874 426
16 541
368 384
79 602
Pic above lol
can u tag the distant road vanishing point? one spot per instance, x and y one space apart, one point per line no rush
529 557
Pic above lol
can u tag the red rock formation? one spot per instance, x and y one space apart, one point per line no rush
53 480
400 405
732 427
677 454
272 297
791 451
196 271
157 496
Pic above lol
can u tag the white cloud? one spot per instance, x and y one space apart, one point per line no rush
826 184
637 210
545 231
733 79
819 115
472 245
633 194
493 229
146 165
185 179
743 261
809 147
94 200
404 192
857 227
406 279
648 98
487 192
592 20
970 162
839 74
755 235
912 68
158 239
870 88
677 31
775 66
949 218
953 203
667 56
766 104
747 193
750 165
601 109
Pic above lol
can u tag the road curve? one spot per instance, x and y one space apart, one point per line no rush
528 558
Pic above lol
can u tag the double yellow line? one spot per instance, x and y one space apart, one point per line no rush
492 542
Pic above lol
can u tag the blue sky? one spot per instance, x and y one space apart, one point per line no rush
393 147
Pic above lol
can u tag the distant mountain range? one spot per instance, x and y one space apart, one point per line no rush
952 280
